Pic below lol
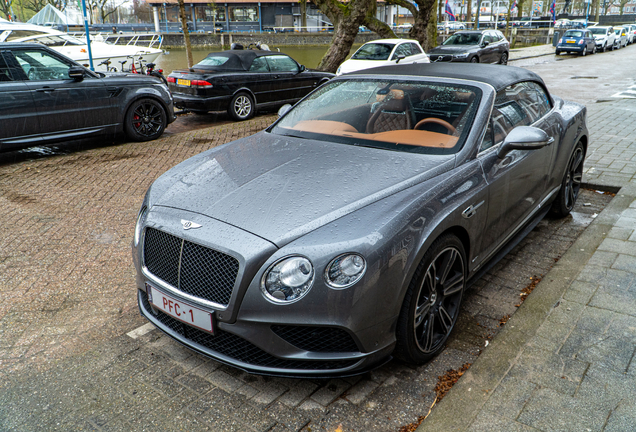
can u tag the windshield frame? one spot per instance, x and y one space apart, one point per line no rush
481 91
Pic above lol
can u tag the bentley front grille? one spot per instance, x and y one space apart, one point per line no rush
190 268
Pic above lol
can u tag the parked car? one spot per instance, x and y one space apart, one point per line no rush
631 33
605 37
382 52
348 231
451 25
242 81
48 98
480 46
621 37
578 41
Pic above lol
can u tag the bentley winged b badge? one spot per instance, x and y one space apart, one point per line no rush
189 224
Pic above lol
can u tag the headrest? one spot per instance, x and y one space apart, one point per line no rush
391 94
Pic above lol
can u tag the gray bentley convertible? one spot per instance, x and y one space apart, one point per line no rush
349 230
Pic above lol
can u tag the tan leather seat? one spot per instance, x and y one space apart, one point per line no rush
392 112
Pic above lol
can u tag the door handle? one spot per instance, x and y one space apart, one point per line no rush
276 76
45 89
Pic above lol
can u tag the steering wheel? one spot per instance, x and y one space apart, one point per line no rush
447 125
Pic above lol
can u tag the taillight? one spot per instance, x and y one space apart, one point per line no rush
561 40
171 79
581 42
200 83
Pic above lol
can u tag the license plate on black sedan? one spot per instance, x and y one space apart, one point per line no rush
180 310
183 82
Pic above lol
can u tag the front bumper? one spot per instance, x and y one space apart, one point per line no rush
305 338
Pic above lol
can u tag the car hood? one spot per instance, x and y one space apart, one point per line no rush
281 188
455 49
356 65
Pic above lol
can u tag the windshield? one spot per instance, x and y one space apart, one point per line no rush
618 31
463 39
416 117
573 33
598 31
374 51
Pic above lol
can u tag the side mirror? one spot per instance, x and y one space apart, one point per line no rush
484 44
76 73
284 110
524 138
400 57
302 68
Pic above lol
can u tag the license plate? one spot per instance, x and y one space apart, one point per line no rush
571 41
181 311
183 82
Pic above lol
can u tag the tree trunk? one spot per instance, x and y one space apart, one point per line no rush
344 36
303 15
469 11
346 19
186 32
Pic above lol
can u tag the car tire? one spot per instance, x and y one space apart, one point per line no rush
604 48
584 52
241 107
474 59
504 59
557 52
571 183
594 49
432 302
145 120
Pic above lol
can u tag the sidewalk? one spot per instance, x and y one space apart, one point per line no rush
565 360
530 52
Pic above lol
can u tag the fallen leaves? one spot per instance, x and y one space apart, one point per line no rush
504 320
447 381
528 289
411 427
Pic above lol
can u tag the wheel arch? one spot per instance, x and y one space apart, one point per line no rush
138 97
248 91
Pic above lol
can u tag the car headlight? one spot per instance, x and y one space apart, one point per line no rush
288 280
345 270
462 55
140 220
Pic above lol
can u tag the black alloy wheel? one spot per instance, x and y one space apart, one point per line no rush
241 107
504 59
571 184
145 120
432 303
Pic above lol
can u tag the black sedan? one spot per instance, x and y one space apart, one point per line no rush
241 81
48 98
349 230
485 46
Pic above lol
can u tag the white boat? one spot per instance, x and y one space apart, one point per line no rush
106 56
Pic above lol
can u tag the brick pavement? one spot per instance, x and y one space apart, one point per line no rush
566 359
67 286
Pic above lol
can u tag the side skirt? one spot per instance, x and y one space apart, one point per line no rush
514 241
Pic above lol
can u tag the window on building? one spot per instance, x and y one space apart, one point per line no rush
208 14
243 13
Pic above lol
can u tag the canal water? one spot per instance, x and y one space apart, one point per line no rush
305 55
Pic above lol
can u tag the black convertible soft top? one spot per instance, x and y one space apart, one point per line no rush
238 60
498 76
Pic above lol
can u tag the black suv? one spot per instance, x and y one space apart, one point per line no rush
48 98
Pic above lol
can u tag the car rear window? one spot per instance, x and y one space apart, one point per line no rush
574 33
408 116
213 61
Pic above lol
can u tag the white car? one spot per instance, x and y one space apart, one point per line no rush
631 34
605 37
383 52
621 36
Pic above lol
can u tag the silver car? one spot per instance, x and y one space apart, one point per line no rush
349 230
